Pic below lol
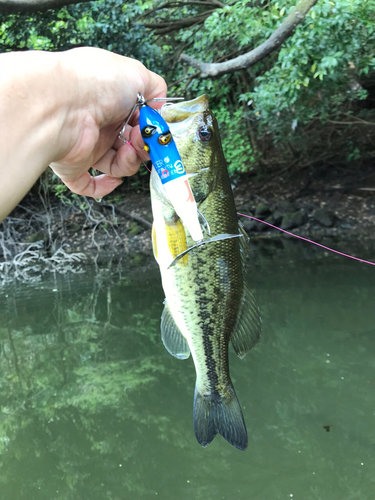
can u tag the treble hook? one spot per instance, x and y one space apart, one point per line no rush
141 101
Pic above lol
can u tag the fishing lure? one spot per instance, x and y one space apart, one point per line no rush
167 162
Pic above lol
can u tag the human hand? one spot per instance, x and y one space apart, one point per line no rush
102 92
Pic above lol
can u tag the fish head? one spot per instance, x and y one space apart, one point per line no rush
196 134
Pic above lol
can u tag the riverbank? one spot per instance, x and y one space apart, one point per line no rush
335 208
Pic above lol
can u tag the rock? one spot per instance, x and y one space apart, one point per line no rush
286 207
249 224
270 220
324 217
261 227
247 208
292 219
277 217
262 209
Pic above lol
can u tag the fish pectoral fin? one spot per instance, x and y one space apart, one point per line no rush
204 223
172 338
215 414
154 242
176 238
249 324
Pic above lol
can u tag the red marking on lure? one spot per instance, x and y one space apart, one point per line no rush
309 241
190 193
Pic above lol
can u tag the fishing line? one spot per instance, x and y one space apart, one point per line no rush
143 163
279 228
309 241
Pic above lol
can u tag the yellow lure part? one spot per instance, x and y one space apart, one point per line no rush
176 239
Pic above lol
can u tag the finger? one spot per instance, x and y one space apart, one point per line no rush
121 163
136 140
96 187
155 86
134 137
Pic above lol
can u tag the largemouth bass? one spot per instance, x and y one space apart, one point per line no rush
208 303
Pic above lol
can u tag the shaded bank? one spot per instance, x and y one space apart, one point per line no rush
333 206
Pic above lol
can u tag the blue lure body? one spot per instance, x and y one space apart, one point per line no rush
160 145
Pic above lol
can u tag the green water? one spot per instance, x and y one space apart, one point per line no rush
93 407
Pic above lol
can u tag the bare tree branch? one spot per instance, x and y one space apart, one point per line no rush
18 6
167 26
14 6
286 28
177 3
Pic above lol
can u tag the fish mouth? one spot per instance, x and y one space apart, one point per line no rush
180 111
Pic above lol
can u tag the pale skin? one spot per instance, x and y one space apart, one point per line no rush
65 109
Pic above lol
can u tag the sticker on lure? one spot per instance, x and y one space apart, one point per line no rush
167 162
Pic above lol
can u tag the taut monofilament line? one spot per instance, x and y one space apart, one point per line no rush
308 241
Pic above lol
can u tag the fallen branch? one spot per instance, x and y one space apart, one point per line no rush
143 222
357 121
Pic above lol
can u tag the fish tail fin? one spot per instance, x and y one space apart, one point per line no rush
219 414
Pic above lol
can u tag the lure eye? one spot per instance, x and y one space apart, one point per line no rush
165 139
204 133
148 131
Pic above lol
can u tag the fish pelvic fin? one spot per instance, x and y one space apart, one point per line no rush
217 414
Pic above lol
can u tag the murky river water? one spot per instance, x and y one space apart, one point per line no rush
93 407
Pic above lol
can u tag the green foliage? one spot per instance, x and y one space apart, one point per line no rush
108 24
321 74
238 151
318 70
69 198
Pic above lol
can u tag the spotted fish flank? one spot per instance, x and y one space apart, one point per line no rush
208 303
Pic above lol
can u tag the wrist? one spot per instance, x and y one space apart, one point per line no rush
32 115
33 103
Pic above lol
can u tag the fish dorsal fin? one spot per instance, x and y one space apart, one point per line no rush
171 336
244 244
249 325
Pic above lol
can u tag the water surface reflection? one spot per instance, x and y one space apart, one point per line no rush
93 407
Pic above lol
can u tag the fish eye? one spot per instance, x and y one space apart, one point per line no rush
148 131
165 139
204 133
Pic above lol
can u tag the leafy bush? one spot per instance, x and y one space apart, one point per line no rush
321 77
319 69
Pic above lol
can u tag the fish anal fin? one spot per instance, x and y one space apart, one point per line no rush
172 338
249 324
215 414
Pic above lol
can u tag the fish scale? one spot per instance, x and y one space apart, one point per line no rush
208 303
